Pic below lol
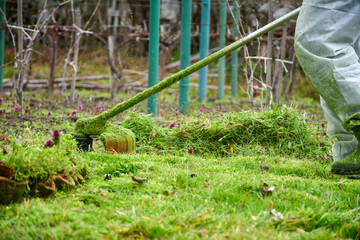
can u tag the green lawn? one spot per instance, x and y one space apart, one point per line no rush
223 200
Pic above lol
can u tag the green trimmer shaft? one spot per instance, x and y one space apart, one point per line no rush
99 125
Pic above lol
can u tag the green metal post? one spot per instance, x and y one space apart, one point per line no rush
2 41
204 47
185 51
234 54
153 53
222 43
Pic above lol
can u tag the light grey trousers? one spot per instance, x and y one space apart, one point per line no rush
327 45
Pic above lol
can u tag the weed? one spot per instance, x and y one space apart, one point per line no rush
37 162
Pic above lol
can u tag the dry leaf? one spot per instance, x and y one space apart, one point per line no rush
266 192
204 233
107 177
207 185
139 180
263 191
264 167
277 216
271 189
264 183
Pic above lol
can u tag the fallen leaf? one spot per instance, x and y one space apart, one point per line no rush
264 167
139 180
263 191
271 189
277 216
203 233
107 177
264 183
266 192
190 150
207 185
121 230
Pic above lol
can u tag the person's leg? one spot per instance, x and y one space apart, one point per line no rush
326 32
326 39
345 141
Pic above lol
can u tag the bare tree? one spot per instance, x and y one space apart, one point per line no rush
23 54
113 22
77 23
278 75
110 30
53 40
293 78
269 55
20 62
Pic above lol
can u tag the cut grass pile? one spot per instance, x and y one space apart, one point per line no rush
283 131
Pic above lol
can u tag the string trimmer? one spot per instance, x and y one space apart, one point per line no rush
117 138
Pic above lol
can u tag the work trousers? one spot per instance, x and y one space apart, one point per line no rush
327 45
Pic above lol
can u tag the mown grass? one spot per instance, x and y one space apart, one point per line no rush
223 200
282 131
204 178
